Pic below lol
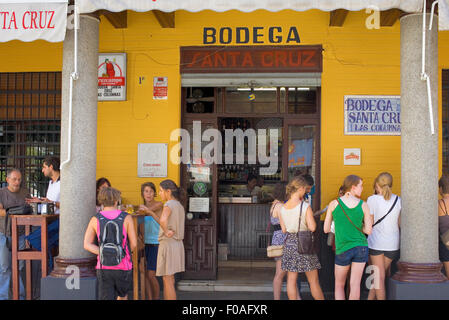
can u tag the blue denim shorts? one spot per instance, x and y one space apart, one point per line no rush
356 254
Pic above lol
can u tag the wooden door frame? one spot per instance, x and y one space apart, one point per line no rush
303 122
186 120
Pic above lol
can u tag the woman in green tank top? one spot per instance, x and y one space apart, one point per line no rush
352 221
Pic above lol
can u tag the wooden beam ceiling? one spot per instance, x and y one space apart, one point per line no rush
165 19
337 17
389 17
118 19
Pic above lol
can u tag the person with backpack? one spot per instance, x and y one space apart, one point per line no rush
352 221
383 242
171 255
116 236
297 216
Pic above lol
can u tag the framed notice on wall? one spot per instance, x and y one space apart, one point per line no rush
372 115
111 76
152 160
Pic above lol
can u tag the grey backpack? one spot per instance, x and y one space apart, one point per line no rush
111 240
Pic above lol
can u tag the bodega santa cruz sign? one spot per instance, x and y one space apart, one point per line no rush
372 115
256 59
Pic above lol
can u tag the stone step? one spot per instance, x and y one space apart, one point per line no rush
247 263
232 286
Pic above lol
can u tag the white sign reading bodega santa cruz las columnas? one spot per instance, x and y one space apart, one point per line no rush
372 115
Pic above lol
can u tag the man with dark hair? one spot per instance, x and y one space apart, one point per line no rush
11 196
310 189
50 169
252 184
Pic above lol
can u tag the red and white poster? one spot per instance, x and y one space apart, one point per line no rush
111 76
160 88
32 20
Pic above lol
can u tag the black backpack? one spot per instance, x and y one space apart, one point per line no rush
112 246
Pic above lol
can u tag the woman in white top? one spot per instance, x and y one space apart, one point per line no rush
292 261
383 242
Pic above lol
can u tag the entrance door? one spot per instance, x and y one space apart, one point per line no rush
200 240
303 153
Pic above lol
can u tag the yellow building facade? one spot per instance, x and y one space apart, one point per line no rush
356 61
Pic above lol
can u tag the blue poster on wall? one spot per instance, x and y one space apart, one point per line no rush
300 153
373 115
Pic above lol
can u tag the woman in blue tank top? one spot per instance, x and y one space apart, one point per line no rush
152 209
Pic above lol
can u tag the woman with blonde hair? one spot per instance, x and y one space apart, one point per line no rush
352 221
383 242
296 215
278 237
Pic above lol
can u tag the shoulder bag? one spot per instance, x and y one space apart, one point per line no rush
380 220
306 239
445 236
273 251
16 210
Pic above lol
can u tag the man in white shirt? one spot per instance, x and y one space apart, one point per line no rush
50 169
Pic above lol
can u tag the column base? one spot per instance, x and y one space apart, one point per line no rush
53 288
71 279
419 273
85 266
397 290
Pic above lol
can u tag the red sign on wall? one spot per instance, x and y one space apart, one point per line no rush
251 59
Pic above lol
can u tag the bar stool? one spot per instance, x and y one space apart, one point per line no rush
28 253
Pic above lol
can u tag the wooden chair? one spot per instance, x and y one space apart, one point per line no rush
28 253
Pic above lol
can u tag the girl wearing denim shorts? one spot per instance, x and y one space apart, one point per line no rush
352 221
153 210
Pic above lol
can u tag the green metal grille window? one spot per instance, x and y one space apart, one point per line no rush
30 125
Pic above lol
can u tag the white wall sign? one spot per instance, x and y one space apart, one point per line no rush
199 204
160 88
33 20
152 160
372 115
352 157
111 76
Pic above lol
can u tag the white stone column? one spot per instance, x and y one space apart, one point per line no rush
419 156
78 176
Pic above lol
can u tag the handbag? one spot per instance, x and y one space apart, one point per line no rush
274 251
445 236
16 210
330 239
306 239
